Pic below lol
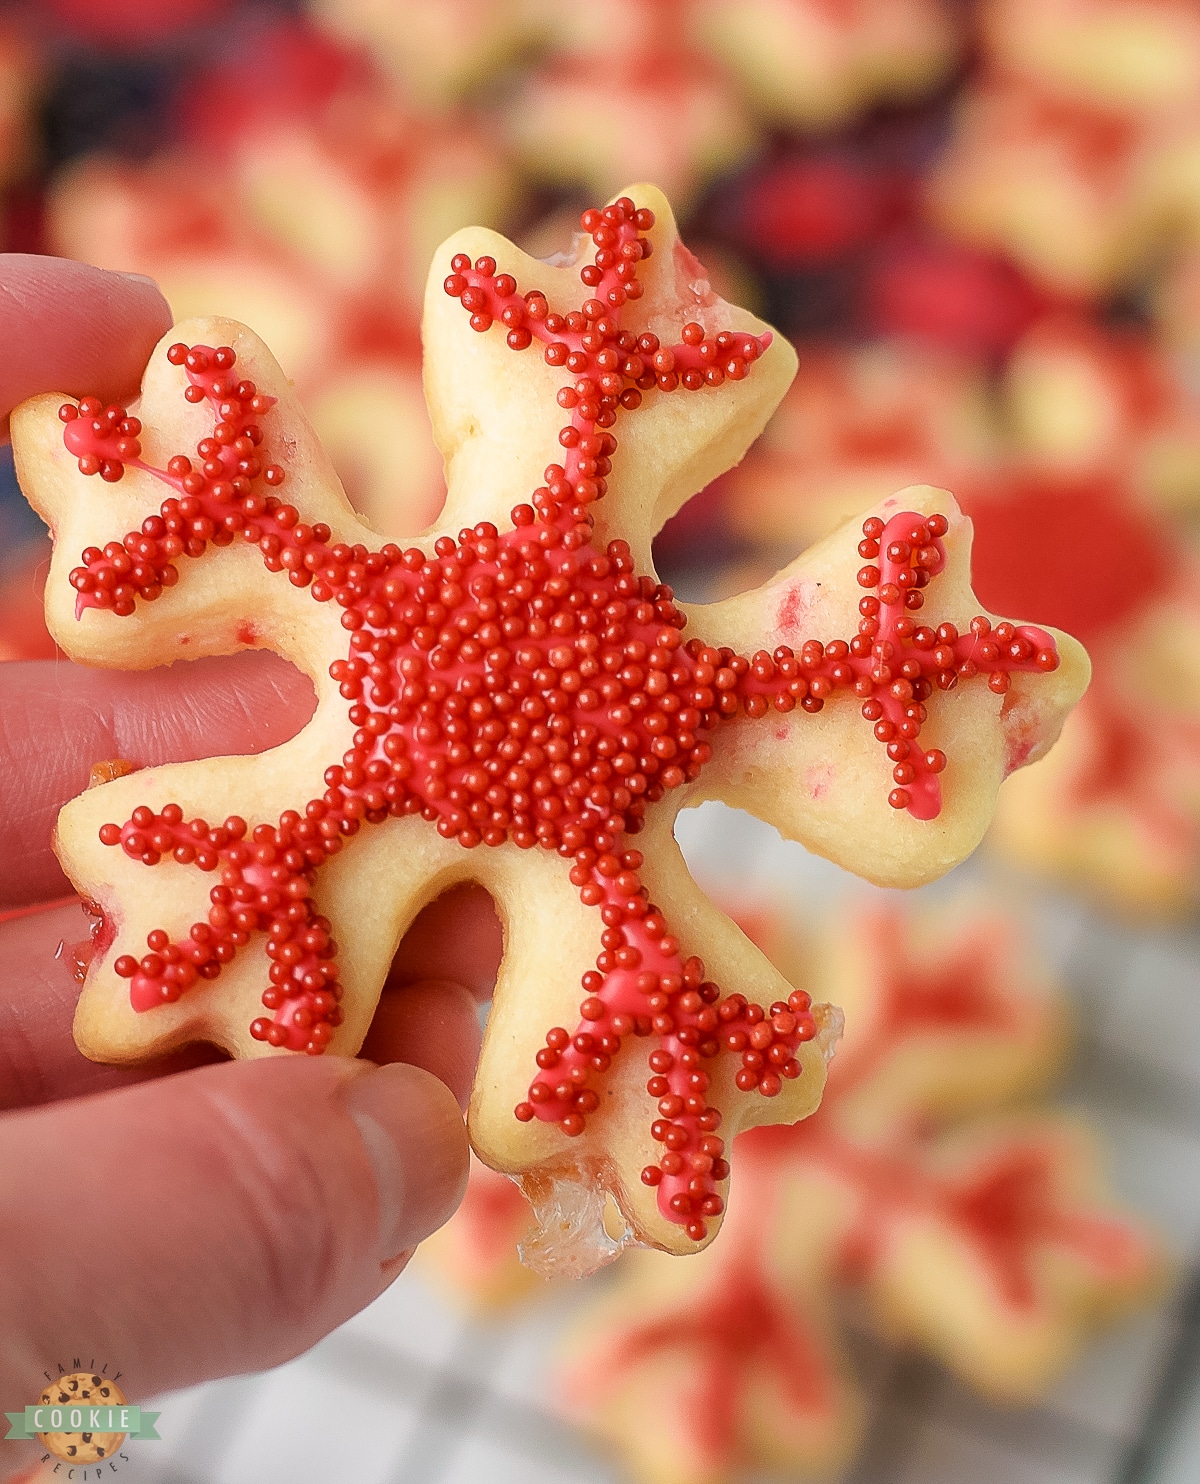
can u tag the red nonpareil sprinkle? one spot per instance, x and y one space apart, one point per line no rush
524 686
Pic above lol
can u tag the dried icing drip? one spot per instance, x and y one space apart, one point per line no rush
569 1238
523 686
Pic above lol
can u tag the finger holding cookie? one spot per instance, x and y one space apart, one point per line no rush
261 1204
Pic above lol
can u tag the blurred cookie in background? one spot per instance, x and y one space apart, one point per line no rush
808 65
1076 150
985 1236
623 94
310 212
475 1257
1089 400
856 426
439 52
682 91
1131 57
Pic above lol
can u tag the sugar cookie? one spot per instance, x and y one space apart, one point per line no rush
510 705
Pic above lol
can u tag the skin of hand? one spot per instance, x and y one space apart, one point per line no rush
195 1217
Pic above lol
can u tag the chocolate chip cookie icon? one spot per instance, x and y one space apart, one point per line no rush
78 1390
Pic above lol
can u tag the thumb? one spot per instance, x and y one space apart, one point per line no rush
217 1221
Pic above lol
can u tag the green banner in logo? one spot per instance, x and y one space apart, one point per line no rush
33 1420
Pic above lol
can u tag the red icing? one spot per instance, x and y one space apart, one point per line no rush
102 934
1074 555
1101 561
952 992
791 607
951 295
812 210
725 1334
524 686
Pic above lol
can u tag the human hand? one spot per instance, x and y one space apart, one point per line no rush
194 1217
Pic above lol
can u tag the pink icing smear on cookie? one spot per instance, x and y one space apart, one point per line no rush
523 686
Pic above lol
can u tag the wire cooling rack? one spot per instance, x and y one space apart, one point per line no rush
425 1394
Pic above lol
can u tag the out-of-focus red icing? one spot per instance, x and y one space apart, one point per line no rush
956 991
746 1323
740 1326
1007 1205
1098 562
132 24
293 71
1076 555
805 211
953 296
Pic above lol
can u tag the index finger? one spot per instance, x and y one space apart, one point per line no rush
57 719
68 327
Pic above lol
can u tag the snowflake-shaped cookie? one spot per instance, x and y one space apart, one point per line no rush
512 701
1075 150
991 1244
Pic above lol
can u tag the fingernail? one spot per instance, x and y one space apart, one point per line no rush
142 278
413 1135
